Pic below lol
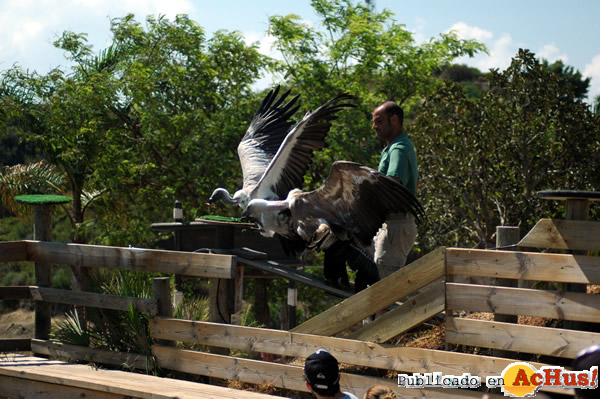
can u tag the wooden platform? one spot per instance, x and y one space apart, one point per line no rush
34 377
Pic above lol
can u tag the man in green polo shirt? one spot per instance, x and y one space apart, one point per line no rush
397 235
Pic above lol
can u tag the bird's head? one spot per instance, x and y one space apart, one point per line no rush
220 194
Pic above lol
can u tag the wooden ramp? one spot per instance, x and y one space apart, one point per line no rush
34 377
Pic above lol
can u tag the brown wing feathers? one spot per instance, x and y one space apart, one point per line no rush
357 199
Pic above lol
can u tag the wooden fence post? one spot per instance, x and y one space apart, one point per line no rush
161 291
42 231
178 218
506 236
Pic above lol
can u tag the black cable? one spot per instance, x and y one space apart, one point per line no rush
218 304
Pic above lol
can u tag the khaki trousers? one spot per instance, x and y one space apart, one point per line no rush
393 242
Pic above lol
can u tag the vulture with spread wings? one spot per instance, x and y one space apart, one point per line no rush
350 206
342 216
274 156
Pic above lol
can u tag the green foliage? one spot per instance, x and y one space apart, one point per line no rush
17 273
14 229
569 76
367 54
71 331
36 178
483 160
61 277
153 111
471 79
121 331
192 308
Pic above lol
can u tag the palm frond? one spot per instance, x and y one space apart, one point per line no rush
34 178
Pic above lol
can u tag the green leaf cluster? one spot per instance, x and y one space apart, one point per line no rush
484 159
139 124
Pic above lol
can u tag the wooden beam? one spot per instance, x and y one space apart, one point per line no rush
15 345
281 270
13 251
411 313
104 301
280 375
15 292
520 301
519 338
524 265
139 259
380 295
360 353
93 355
15 387
563 234
90 380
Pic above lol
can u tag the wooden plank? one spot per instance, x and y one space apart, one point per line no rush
280 375
139 259
519 338
104 301
289 273
524 265
14 387
360 353
15 345
411 313
520 301
15 292
378 296
13 251
91 380
92 355
563 234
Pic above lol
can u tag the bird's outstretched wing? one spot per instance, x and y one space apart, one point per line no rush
355 201
266 132
287 168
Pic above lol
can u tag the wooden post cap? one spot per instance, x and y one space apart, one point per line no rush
42 199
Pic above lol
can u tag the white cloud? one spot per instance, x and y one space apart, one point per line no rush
418 35
28 27
551 53
467 32
500 50
500 54
592 70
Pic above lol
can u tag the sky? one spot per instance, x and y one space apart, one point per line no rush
552 29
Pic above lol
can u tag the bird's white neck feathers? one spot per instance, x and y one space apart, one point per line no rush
270 215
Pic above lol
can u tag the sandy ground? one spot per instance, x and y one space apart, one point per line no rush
19 324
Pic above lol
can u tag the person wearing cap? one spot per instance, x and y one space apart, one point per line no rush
322 374
585 360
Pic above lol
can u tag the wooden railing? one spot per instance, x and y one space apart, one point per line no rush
407 298
133 259
550 303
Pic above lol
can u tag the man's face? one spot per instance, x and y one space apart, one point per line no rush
381 124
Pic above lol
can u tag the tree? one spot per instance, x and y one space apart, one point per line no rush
471 79
139 124
365 53
569 76
483 160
